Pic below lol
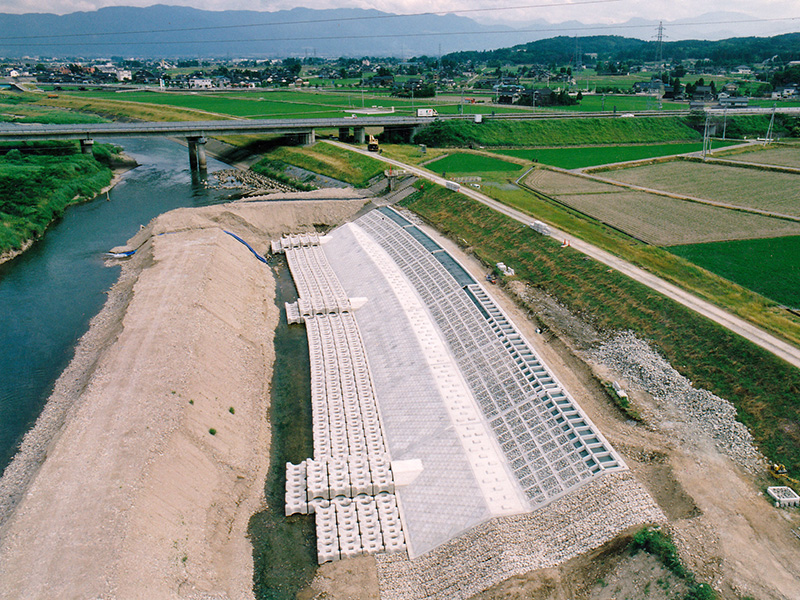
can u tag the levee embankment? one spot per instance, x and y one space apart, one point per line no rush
140 476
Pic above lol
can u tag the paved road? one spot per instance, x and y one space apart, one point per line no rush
778 347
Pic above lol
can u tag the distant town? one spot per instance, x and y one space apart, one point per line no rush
688 80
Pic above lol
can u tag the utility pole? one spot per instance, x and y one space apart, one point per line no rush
771 123
724 122
706 138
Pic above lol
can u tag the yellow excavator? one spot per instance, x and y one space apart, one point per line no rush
779 472
372 145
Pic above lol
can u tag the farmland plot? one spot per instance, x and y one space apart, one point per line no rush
746 187
784 156
658 219
554 183
767 266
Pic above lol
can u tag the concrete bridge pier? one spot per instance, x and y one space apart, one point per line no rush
303 138
359 136
197 153
86 146
308 138
402 133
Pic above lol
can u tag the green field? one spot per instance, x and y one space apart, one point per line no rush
621 104
463 162
590 156
767 266
276 104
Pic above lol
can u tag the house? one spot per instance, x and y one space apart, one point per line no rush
200 83
743 70
703 93
787 91
654 86
733 101
730 88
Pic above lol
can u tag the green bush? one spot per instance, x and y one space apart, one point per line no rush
701 591
34 190
655 542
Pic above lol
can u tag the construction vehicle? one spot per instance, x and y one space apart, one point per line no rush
372 145
779 472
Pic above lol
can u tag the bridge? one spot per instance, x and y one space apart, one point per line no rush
196 132
406 127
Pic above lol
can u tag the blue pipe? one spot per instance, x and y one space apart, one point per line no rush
256 254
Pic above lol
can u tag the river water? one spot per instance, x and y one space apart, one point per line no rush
49 294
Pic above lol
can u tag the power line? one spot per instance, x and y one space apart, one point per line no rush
396 35
311 21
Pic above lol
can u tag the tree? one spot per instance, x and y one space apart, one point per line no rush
293 65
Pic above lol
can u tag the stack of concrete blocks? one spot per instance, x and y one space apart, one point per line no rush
360 479
304 307
317 481
297 241
350 464
292 313
347 525
369 524
296 489
327 534
391 529
339 478
783 496
381 475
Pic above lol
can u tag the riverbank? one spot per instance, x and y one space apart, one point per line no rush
140 476
121 165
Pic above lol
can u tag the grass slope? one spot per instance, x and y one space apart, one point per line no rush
556 132
24 108
767 266
350 167
762 387
35 190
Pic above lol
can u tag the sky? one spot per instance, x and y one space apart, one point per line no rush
553 11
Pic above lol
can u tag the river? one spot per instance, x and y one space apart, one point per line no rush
49 294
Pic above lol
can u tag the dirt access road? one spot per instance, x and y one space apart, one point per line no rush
758 336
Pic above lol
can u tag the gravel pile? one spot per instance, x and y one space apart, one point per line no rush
250 181
501 548
702 411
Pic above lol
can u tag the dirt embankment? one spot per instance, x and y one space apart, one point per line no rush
140 477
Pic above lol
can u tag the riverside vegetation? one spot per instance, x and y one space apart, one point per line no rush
36 188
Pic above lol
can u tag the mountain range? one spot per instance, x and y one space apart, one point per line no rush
176 32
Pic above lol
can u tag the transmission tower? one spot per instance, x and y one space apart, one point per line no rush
660 46
578 57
